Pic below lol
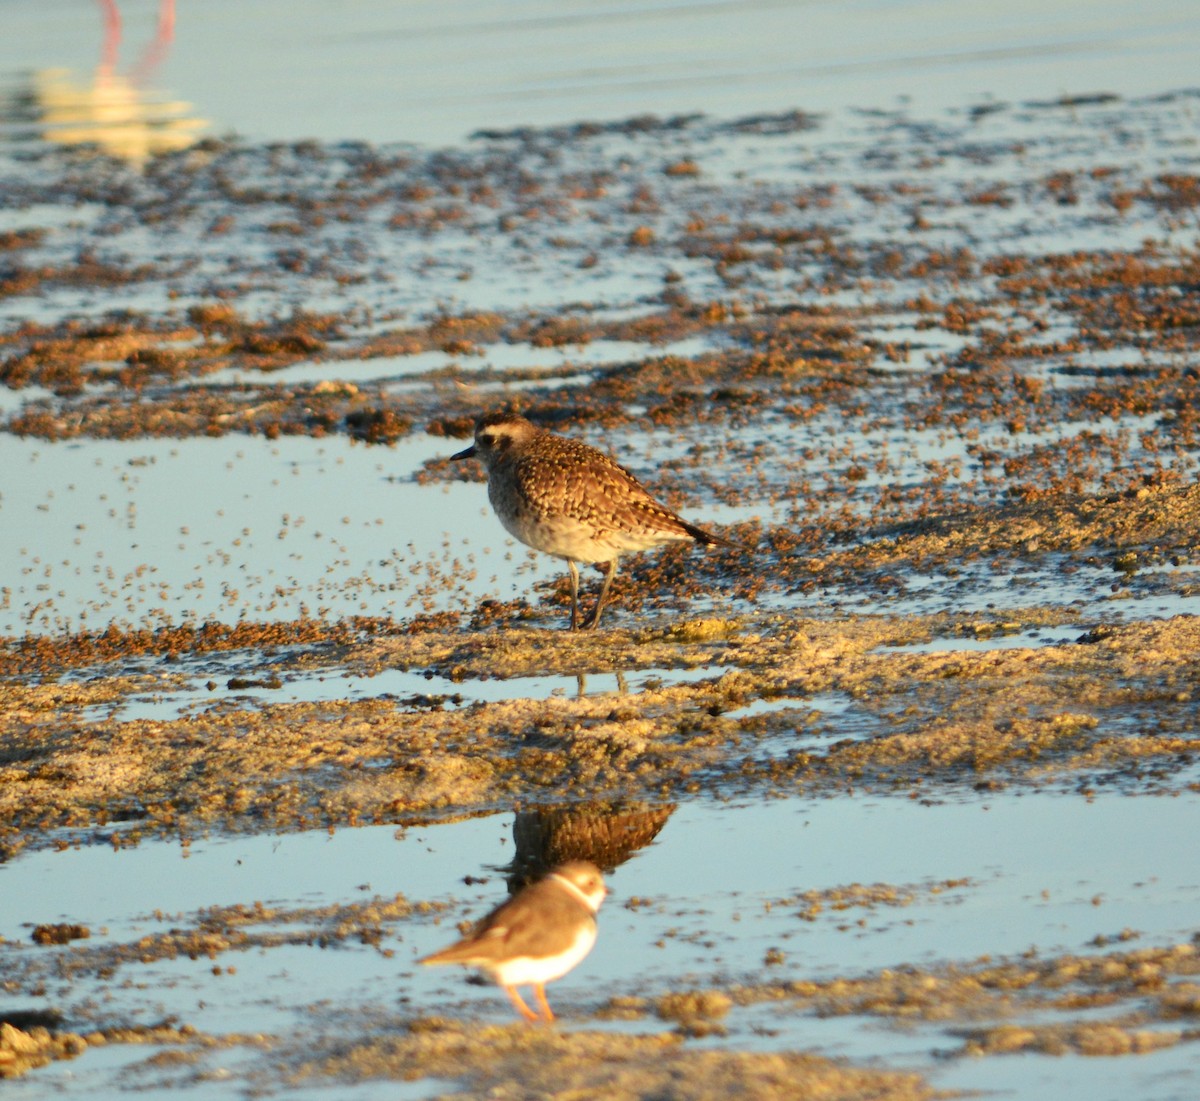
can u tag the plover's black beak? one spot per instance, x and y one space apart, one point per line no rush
469 453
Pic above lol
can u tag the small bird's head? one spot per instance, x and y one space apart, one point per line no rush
495 435
586 879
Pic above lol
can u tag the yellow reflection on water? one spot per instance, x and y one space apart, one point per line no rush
120 112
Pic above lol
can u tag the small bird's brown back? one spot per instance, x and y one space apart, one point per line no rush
541 920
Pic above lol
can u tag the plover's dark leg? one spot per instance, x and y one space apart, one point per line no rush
610 571
574 594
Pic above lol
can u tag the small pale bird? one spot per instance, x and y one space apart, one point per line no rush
565 498
537 936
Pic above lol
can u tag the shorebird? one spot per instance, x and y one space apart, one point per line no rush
567 499
537 936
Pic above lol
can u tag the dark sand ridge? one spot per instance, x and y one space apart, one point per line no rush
1069 713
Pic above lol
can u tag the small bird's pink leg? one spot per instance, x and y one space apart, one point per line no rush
539 992
519 1002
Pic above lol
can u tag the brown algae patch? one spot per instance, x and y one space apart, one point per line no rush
860 896
1147 991
25 1046
215 931
1118 1037
24 1049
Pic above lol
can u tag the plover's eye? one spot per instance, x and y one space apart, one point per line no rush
487 440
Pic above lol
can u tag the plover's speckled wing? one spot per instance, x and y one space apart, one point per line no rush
558 478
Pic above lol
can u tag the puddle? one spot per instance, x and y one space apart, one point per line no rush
719 893
1095 591
241 678
814 723
402 683
543 362
828 703
12 400
266 531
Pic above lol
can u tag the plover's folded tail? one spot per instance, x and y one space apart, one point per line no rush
706 538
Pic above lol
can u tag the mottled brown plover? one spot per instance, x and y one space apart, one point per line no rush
537 936
565 498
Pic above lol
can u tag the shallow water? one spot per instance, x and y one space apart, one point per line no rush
204 689
408 72
264 531
275 530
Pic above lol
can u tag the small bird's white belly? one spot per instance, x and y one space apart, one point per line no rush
525 970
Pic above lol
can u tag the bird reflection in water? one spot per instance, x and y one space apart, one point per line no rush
117 112
606 834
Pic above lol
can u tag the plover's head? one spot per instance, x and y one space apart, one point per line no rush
495 434
585 878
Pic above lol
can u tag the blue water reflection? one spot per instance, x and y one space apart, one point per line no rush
387 71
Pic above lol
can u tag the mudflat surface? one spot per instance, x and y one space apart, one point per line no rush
274 683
